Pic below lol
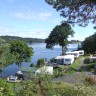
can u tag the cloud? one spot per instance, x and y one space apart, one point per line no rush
32 15
39 33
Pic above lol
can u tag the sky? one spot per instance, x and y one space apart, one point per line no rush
34 19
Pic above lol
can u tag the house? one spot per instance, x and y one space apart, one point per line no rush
66 59
45 70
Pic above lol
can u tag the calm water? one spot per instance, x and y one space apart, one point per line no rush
40 51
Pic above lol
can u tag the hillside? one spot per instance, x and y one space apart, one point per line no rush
28 40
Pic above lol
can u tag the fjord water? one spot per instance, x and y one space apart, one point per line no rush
40 51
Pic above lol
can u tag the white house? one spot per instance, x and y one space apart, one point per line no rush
66 59
45 70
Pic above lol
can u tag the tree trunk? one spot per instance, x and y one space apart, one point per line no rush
64 49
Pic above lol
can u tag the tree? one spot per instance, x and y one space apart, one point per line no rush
76 11
89 44
6 57
59 36
40 62
21 51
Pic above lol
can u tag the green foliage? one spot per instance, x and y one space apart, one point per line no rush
71 10
37 87
61 70
6 89
74 41
9 39
21 51
6 57
90 80
59 36
32 65
88 61
76 63
89 44
64 89
2 41
40 62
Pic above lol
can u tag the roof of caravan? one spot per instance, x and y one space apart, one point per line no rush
75 51
72 52
81 50
65 56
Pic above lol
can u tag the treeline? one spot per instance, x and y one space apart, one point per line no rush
89 44
8 39
74 41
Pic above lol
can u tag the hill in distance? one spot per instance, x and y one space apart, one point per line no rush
28 40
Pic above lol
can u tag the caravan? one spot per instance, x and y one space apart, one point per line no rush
66 59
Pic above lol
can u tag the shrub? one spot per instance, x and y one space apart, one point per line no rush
40 62
90 80
65 89
86 61
61 70
32 65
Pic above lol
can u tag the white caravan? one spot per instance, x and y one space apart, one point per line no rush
75 53
81 52
66 59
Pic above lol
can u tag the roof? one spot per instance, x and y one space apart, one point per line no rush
65 56
28 69
59 57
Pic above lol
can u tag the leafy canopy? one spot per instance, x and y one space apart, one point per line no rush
89 44
76 11
21 51
6 57
59 35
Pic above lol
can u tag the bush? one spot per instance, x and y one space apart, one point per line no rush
61 71
40 62
94 70
32 65
90 80
65 89
86 61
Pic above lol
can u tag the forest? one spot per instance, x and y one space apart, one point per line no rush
27 40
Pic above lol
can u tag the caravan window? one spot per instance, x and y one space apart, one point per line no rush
67 59
80 52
